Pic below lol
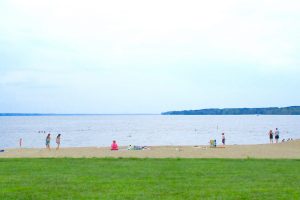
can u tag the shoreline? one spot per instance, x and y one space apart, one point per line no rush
285 150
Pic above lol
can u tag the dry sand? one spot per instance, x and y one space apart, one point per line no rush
290 150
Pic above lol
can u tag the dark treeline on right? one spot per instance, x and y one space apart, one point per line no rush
292 110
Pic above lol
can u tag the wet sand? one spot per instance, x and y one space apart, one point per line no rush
286 150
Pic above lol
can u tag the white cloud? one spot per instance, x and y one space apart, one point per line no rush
251 31
136 46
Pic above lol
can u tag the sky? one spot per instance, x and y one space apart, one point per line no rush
136 56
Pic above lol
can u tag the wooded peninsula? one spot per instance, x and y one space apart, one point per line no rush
292 110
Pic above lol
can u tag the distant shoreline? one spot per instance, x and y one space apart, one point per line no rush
291 110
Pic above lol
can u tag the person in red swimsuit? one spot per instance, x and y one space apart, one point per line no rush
114 145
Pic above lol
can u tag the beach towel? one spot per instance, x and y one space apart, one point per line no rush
136 147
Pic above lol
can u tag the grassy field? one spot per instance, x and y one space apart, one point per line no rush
67 178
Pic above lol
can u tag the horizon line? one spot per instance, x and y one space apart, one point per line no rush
11 114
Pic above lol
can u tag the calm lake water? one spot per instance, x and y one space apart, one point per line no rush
149 130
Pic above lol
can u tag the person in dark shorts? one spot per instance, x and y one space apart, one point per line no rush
223 139
271 136
276 135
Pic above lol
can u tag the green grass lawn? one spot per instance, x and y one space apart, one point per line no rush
66 178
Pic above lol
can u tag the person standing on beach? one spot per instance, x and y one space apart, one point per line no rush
223 139
58 141
20 142
48 141
276 135
271 136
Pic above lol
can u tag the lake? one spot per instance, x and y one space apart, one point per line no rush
100 130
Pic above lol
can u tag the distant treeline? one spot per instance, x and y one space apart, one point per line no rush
292 110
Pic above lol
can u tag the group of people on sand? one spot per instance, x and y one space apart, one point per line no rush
114 147
48 140
274 134
213 143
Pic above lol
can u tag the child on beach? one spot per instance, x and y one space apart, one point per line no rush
271 136
223 139
114 146
48 141
58 141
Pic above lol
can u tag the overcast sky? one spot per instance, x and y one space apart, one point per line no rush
135 56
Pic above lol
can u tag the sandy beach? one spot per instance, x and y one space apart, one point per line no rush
288 150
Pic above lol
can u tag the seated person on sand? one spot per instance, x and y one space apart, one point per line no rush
213 143
114 146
